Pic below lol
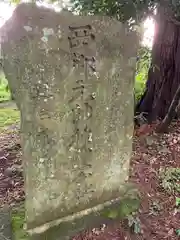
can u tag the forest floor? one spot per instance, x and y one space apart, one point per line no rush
155 169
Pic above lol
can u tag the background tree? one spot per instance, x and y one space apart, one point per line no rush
164 72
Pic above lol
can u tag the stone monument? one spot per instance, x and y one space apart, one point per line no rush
72 78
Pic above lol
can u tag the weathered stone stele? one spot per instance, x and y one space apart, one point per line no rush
5 224
72 78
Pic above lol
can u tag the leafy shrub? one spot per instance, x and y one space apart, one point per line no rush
142 67
4 94
170 179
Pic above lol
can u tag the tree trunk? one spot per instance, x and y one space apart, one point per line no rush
171 113
164 73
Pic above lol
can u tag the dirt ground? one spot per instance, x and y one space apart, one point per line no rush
159 217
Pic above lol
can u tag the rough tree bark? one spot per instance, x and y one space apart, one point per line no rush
164 73
163 127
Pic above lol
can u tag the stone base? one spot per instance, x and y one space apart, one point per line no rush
66 228
5 224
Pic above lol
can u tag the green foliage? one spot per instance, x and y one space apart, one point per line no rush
155 208
127 209
178 202
128 205
144 58
123 10
18 219
175 6
142 67
8 117
170 179
178 232
4 95
134 223
16 1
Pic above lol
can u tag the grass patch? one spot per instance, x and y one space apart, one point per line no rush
8 116
170 179
18 220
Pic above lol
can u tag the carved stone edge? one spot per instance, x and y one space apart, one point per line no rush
67 227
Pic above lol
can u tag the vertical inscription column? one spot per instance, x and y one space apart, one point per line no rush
79 39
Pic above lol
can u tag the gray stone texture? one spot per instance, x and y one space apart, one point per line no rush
72 78
5 224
